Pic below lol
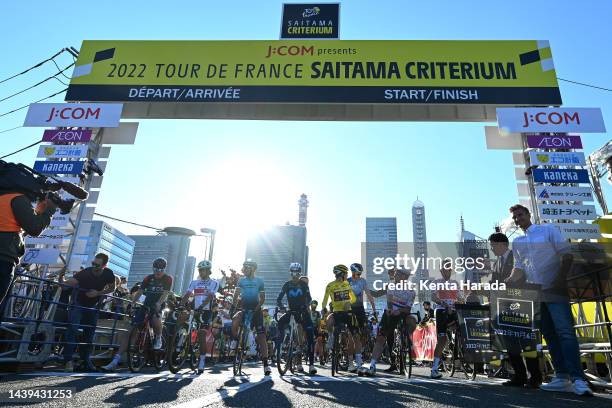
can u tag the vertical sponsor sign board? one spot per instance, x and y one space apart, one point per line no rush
475 326
515 316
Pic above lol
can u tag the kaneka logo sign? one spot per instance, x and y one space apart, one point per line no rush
560 176
73 115
59 167
306 21
528 120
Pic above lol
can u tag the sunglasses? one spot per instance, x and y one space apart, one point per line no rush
159 269
96 265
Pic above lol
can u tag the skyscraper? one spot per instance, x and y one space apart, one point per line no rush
381 242
190 272
112 242
172 244
419 237
472 246
274 249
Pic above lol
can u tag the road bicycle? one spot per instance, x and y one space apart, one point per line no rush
403 345
242 344
289 352
339 355
183 344
140 346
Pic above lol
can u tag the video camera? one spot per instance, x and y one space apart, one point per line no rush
19 178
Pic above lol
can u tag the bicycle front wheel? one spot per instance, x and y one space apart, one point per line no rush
178 346
284 353
239 352
160 358
137 345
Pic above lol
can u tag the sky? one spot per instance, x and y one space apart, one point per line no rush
238 176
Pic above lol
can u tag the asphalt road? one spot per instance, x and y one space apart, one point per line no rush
218 388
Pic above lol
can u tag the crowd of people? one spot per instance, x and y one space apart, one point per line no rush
540 256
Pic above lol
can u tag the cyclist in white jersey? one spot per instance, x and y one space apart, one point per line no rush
203 291
399 304
445 299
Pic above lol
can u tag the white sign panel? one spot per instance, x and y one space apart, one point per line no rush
59 220
73 115
62 151
555 120
47 237
579 230
557 193
557 158
504 141
566 212
41 256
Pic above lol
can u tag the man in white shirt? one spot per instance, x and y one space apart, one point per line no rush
542 257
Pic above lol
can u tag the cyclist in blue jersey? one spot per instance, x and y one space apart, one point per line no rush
251 292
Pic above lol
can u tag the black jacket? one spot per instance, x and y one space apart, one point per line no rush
11 243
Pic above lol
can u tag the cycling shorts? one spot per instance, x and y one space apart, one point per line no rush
360 315
139 315
444 319
204 318
346 318
388 322
257 321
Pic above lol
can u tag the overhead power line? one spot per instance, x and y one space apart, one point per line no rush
583 84
21 150
40 100
34 66
128 222
38 83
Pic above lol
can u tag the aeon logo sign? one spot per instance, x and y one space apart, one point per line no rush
73 115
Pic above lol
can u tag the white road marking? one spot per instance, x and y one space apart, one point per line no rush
223 393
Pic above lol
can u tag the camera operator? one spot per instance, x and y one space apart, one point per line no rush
18 218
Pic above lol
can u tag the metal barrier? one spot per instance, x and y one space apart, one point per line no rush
35 321
593 286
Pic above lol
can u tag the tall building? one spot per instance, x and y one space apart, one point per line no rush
472 246
274 249
303 209
172 244
110 241
419 238
381 242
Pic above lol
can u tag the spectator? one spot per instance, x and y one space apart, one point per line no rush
542 256
429 312
90 283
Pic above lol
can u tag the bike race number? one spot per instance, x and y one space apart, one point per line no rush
515 317
475 326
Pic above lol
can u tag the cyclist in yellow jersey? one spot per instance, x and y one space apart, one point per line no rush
342 297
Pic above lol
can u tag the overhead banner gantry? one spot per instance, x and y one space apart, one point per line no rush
316 80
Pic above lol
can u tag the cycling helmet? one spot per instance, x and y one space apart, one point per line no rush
357 268
160 264
402 271
314 302
340 269
295 268
205 264
249 263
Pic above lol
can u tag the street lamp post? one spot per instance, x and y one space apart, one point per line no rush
211 234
